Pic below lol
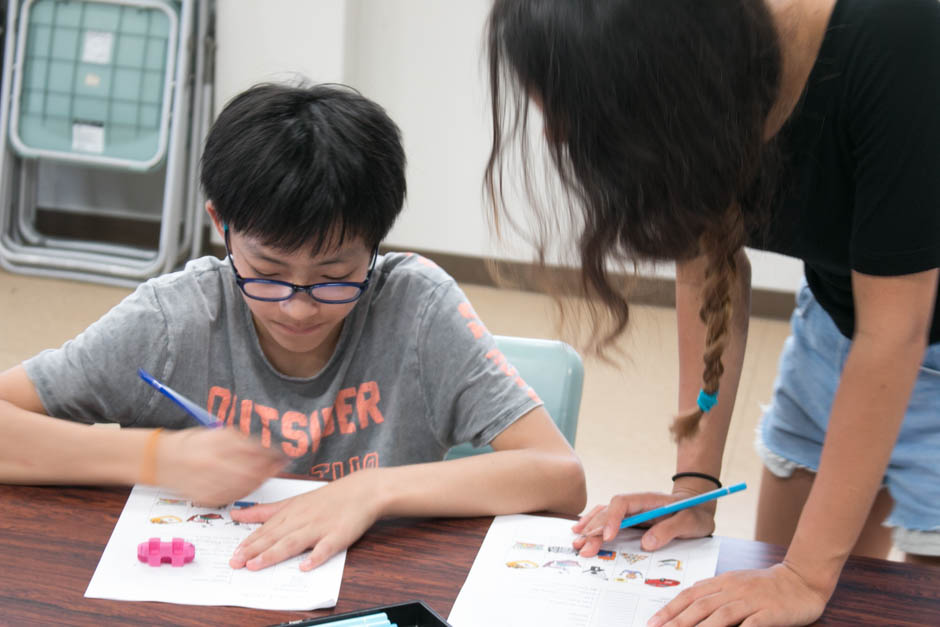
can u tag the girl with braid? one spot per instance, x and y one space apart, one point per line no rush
683 130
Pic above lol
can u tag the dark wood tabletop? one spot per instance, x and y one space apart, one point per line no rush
51 539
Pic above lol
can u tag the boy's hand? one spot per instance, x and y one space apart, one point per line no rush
778 595
327 520
602 524
214 466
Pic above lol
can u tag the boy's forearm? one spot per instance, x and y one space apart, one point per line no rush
502 482
866 418
37 449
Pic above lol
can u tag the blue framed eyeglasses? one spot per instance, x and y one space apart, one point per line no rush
270 290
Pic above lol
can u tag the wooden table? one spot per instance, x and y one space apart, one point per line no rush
52 537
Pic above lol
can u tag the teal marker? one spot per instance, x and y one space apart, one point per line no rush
372 620
681 505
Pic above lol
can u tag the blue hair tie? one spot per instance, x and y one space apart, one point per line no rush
706 401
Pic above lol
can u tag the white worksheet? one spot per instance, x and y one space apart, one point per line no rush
208 579
527 573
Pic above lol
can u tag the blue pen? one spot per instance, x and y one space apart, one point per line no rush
191 408
680 505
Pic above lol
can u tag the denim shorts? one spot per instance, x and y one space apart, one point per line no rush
792 428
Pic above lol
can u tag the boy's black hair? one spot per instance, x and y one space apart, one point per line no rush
305 166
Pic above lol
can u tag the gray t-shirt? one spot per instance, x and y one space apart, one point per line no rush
414 371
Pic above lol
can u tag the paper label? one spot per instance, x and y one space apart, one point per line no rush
88 137
97 47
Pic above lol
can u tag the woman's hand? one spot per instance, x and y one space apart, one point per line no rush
778 595
327 520
214 466
602 524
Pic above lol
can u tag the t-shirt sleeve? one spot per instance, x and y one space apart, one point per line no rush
894 132
93 377
472 393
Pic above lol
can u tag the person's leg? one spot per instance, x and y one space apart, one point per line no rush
923 560
875 539
793 427
779 505
914 472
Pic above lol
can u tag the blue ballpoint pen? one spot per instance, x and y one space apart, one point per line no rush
191 408
680 505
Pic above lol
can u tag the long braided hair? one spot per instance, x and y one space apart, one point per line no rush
720 246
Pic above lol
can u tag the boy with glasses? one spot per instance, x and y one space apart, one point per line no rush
355 368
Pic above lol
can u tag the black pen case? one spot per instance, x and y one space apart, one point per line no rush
410 614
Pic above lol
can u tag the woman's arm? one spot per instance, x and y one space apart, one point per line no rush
702 452
532 468
892 318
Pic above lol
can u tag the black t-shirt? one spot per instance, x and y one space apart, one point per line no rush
862 152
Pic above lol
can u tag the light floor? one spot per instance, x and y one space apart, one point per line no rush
622 433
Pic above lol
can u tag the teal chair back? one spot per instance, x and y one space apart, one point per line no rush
555 372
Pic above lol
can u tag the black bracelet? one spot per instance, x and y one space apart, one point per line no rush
700 475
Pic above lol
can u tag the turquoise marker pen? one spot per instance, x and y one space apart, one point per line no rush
372 620
681 505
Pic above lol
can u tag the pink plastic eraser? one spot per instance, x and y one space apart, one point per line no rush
177 552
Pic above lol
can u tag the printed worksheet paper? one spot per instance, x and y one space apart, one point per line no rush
527 573
208 579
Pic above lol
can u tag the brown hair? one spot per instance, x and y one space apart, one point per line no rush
653 117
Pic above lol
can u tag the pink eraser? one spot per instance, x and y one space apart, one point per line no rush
176 552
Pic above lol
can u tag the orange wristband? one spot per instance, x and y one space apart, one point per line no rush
148 468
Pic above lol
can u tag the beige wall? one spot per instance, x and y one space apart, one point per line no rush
421 59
